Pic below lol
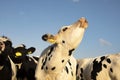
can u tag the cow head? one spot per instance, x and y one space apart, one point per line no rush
69 36
20 52
5 45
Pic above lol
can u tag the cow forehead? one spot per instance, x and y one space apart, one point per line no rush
4 38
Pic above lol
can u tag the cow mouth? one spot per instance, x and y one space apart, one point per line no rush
83 22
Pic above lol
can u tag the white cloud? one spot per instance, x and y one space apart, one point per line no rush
75 0
104 42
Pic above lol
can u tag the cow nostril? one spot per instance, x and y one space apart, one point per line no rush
45 37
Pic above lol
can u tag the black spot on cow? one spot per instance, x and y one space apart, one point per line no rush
63 61
50 51
81 75
46 68
50 57
66 69
42 60
70 51
69 62
108 60
97 67
77 66
81 69
104 65
53 68
111 70
44 63
102 58
71 73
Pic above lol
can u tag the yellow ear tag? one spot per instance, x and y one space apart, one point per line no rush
29 52
51 41
17 54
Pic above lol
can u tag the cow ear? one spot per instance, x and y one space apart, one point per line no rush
18 54
49 38
30 50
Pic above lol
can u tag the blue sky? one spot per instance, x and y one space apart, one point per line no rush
25 21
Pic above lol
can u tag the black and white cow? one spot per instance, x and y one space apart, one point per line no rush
56 61
25 64
7 67
105 67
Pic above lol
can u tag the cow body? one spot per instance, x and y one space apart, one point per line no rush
56 61
25 64
7 67
55 70
100 68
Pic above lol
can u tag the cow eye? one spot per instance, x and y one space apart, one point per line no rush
63 41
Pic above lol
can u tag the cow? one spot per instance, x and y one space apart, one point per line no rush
56 62
106 67
25 64
7 67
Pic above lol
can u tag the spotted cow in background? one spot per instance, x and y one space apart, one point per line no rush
105 67
7 67
25 64
56 61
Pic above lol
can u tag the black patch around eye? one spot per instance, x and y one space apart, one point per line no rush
65 29
63 41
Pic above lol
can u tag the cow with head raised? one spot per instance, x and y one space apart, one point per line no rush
56 61
7 67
